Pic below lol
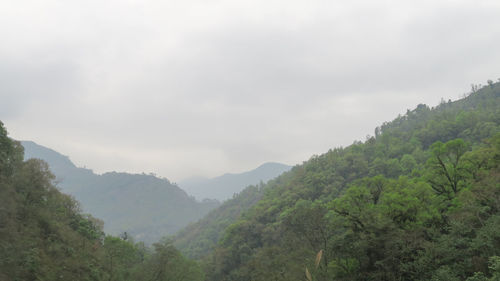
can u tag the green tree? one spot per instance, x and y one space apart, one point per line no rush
446 171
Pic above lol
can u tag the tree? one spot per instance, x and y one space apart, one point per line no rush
446 172
167 264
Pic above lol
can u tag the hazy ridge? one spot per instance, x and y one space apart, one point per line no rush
225 186
145 206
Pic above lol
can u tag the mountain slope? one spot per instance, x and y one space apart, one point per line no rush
198 239
418 201
225 186
44 235
145 206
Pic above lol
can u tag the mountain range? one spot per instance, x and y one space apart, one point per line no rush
417 201
143 205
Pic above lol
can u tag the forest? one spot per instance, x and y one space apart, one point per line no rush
418 200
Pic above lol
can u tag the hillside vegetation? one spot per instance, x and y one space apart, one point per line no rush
45 236
199 239
419 200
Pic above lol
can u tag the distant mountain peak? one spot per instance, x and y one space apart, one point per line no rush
225 186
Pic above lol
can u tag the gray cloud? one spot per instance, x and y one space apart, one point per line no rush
195 87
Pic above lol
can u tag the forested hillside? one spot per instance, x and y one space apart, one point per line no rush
44 235
419 200
144 206
198 239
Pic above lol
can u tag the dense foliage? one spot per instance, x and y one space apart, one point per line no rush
198 239
44 236
420 200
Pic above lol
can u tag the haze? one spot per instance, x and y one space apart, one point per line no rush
186 88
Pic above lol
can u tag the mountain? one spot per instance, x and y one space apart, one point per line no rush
227 185
71 178
198 239
417 201
145 206
44 235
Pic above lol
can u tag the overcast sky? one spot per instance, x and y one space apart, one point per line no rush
200 88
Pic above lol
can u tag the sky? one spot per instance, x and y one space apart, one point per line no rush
200 88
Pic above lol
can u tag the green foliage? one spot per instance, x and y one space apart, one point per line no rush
419 201
44 236
494 267
40 228
446 170
167 264
198 239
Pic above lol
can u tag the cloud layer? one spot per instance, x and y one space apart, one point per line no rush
185 88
